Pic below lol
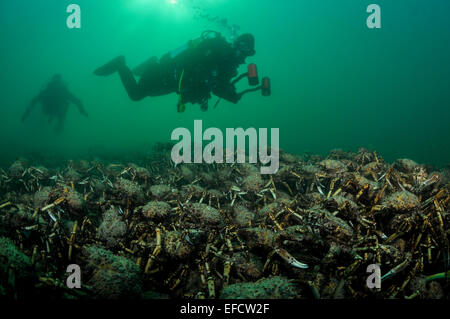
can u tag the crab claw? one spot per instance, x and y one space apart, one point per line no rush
290 259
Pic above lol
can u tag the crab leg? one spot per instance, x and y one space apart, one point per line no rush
289 258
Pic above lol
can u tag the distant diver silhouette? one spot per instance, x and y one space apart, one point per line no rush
55 99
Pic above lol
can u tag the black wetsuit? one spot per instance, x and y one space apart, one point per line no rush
205 68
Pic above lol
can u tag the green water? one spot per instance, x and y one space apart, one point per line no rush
335 83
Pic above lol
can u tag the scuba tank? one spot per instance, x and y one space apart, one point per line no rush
179 50
252 75
208 34
265 88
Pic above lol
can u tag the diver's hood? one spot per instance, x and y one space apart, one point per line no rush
245 44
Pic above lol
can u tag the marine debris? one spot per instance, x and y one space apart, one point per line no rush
152 229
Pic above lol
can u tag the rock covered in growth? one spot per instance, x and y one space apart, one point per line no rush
41 172
207 177
114 169
14 259
175 246
415 173
113 277
242 216
309 169
141 172
216 194
75 201
401 201
256 237
187 173
19 218
333 165
40 197
340 154
364 156
205 215
112 228
347 208
407 166
284 173
248 169
270 288
275 207
223 174
160 191
192 192
82 166
156 210
427 290
329 226
98 186
129 190
253 183
72 175
250 266
271 208
337 226
17 169
290 158
371 167
195 237
434 291
444 173
362 181
338 202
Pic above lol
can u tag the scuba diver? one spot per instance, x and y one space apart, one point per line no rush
55 100
200 67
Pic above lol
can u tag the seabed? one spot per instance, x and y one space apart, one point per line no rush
150 229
